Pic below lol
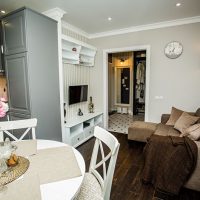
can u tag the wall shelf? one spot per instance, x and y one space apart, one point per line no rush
77 52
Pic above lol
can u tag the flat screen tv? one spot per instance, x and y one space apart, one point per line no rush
78 93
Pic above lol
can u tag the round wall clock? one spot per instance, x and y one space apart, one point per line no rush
173 49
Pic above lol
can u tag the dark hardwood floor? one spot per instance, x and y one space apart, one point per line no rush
126 181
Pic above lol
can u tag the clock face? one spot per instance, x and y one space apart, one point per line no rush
173 50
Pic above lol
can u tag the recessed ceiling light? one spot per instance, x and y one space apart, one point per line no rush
109 18
3 11
178 4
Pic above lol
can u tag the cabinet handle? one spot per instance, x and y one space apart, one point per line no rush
2 49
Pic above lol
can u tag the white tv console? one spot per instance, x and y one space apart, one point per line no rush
81 128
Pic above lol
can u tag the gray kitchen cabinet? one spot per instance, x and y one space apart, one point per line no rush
1 50
31 65
17 83
14 25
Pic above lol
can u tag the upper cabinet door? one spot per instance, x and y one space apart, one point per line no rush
17 80
14 33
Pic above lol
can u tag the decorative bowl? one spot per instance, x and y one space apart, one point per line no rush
6 150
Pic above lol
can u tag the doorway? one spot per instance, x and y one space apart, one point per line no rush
123 108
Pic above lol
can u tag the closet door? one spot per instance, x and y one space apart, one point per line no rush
17 80
14 33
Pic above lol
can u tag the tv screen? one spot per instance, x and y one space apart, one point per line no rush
78 93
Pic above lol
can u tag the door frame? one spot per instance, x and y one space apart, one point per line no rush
105 77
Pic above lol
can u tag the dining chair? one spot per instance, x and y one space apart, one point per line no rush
95 186
7 126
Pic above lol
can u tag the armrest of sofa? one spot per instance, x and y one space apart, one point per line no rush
165 118
194 180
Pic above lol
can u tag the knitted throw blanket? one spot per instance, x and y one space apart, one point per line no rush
169 162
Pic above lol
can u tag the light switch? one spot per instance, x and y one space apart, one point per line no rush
159 97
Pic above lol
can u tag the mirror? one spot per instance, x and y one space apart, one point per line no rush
122 85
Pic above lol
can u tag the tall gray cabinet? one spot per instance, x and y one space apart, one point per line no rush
1 53
31 65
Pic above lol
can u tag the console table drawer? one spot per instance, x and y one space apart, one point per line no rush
89 132
76 139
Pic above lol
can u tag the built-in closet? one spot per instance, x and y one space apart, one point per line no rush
30 52
139 82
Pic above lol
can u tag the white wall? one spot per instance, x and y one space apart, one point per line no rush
177 80
75 75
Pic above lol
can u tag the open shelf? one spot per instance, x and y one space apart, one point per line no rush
98 119
88 123
75 50
75 130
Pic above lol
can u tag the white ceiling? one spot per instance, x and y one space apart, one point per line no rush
91 15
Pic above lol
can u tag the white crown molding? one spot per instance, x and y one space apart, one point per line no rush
74 29
158 25
55 13
164 24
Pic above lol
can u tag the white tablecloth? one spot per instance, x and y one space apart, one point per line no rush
61 190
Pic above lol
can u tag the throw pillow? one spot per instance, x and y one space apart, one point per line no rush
175 114
185 121
198 114
193 132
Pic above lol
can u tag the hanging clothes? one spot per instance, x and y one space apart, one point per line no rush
140 75
140 82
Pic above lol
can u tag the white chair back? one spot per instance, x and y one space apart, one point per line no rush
7 126
106 181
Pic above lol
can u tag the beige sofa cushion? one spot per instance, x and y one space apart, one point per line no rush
140 131
198 114
175 114
185 121
166 130
193 132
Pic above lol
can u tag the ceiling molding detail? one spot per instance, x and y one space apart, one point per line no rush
147 27
132 29
55 13
74 29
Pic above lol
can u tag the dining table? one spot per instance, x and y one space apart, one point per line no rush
64 189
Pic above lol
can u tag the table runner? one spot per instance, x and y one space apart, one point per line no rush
25 188
26 147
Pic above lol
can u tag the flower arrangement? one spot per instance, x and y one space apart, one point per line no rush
3 107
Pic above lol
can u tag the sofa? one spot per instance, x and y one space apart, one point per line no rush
141 131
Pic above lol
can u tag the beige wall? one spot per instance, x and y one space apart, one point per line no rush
177 80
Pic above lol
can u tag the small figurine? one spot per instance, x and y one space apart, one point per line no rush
91 106
80 112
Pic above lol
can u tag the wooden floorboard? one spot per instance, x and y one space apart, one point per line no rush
127 178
